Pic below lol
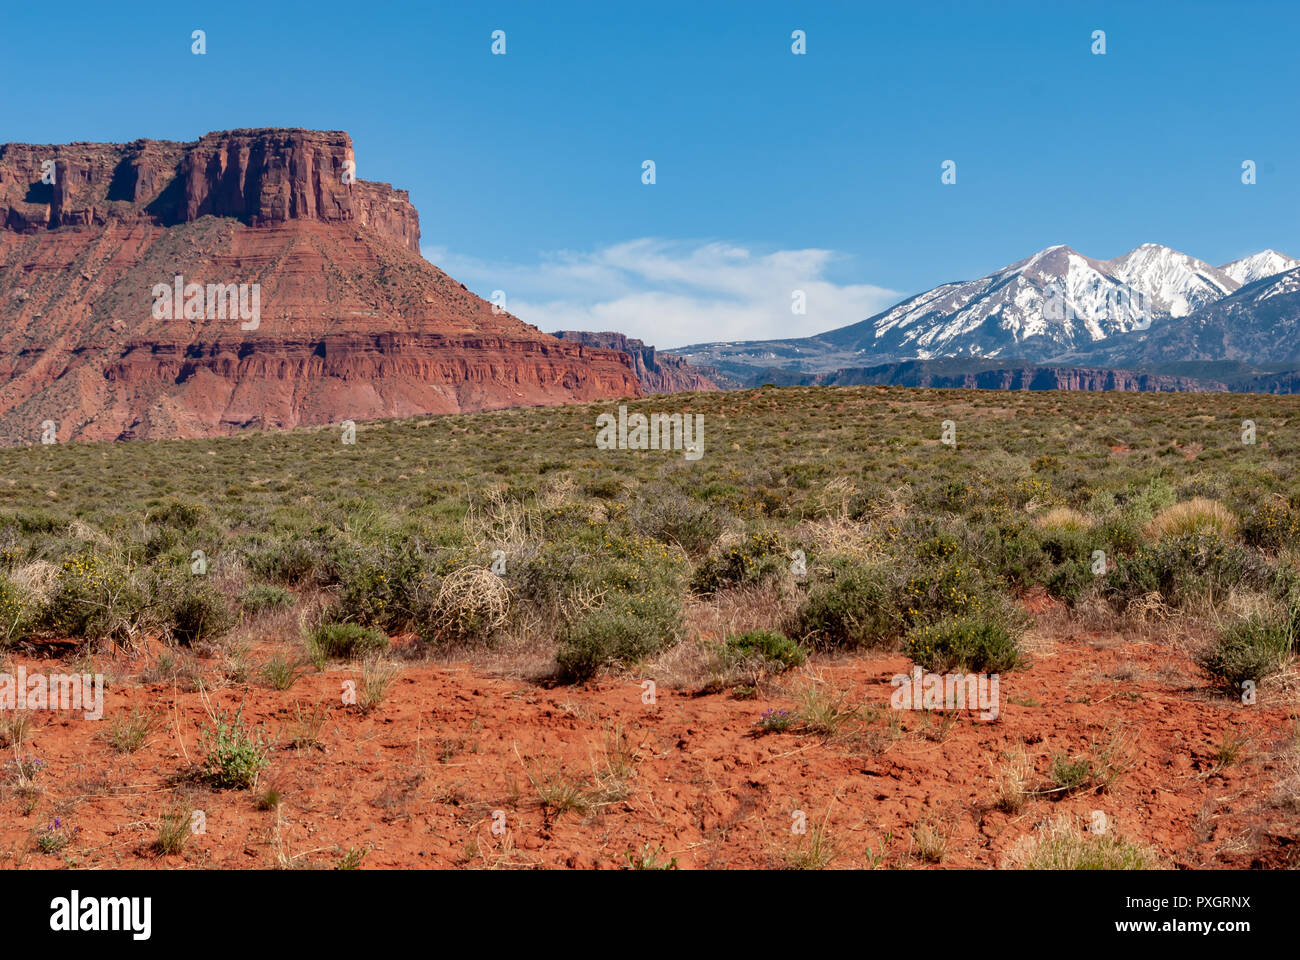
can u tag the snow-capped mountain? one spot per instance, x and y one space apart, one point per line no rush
1174 283
1263 264
1056 302
1259 324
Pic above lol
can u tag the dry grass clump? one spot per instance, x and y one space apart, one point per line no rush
1061 845
1196 516
1063 520
36 580
842 537
1012 787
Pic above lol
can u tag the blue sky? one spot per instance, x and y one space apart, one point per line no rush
774 171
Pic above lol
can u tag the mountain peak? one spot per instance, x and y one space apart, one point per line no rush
1259 265
1172 282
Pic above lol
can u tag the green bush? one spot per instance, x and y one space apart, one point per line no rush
95 597
179 514
855 609
13 614
931 589
624 629
761 556
1186 567
314 558
1071 580
232 757
344 641
676 518
1015 553
772 647
1273 526
1251 650
382 587
262 597
971 644
196 611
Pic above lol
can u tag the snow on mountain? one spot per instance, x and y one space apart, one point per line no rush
1175 283
1266 263
1055 303
1055 300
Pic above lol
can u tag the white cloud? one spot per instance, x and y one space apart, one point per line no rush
672 293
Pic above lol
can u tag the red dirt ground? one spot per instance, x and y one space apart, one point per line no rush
415 782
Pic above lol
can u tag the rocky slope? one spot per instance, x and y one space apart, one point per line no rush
352 323
657 372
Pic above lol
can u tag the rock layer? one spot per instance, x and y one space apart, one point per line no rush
353 322
658 372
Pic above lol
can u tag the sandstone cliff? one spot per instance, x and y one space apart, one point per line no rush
352 322
657 372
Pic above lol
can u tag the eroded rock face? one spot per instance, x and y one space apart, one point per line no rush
353 322
657 372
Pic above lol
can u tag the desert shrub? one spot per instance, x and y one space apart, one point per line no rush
1071 580
263 597
232 757
770 646
1015 554
1182 568
345 641
624 629
28 522
179 514
1144 502
1273 525
854 609
95 597
194 610
381 587
677 518
971 643
561 576
1063 544
1253 649
1120 533
314 558
931 589
160 541
14 614
1194 517
760 556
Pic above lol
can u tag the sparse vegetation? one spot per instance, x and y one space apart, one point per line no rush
819 523
1062 845
345 641
174 826
232 756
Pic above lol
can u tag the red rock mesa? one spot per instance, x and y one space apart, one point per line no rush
354 324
